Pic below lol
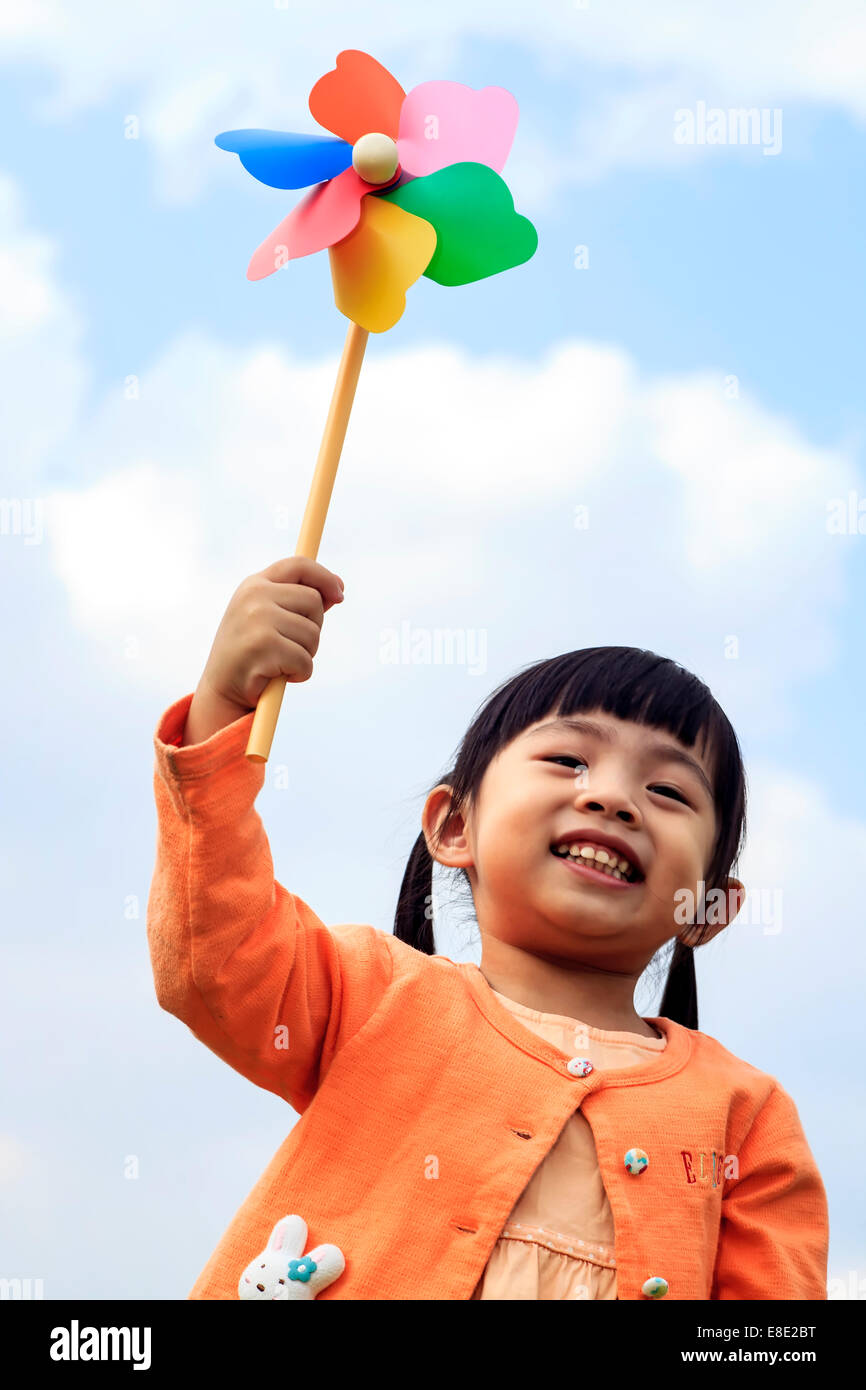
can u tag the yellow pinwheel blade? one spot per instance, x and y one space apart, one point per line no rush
373 267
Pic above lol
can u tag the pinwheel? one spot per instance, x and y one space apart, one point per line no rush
405 185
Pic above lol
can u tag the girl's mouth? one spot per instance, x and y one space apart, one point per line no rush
582 867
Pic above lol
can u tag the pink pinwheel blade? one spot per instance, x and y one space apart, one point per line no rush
329 212
444 123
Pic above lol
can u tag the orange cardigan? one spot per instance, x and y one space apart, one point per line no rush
426 1106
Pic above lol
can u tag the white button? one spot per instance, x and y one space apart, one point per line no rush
656 1287
579 1066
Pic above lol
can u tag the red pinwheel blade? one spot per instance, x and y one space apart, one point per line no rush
327 214
358 96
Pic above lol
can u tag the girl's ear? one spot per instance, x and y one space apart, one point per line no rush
735 895
453 850
720 909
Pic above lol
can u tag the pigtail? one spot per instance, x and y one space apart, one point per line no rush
413 920
680 998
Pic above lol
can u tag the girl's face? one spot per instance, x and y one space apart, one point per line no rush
594 772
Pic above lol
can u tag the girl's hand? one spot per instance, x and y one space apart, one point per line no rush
271 628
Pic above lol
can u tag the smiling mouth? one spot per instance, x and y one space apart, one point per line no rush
600 870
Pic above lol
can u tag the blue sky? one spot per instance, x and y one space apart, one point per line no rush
602 386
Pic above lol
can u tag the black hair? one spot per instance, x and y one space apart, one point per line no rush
629 683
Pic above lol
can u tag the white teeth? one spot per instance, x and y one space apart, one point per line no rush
606 861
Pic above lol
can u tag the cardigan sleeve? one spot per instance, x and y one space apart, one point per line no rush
774 1235
245 964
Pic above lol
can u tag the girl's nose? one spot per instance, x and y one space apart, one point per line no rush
588 798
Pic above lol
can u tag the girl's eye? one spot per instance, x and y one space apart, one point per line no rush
672 791
568 758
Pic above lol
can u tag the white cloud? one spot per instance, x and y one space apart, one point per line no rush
42 374
752 485
450 463
189 71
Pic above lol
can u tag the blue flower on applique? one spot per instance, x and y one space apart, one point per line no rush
302 1269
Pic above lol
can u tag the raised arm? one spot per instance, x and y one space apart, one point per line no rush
244 963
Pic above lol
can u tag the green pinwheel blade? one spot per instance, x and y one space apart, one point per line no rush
478 233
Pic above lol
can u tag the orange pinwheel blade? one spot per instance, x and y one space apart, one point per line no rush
358 96
373 267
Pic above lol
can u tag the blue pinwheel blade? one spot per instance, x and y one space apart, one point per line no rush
283 160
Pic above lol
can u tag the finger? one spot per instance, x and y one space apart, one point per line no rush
294 627
299 598
299 569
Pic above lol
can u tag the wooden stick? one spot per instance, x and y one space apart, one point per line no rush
268 708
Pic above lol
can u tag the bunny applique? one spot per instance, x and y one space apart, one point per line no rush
282 1272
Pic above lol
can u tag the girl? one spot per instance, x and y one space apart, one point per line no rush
514 1131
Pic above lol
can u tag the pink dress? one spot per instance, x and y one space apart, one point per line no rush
559 1240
